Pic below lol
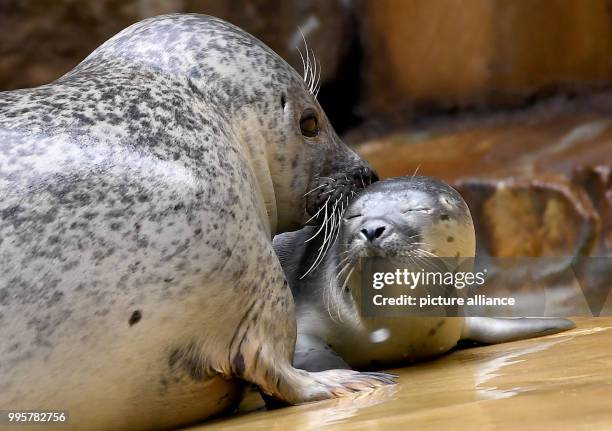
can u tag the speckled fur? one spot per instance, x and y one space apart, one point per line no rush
139 195
419 212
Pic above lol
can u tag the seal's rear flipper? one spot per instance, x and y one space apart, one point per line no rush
489 330
314 354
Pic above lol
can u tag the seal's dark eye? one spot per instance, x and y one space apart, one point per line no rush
309 124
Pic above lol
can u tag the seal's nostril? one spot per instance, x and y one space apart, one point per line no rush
372 233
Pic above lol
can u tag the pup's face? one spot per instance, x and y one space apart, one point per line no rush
408 217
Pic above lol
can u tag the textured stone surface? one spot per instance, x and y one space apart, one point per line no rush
43 39
457 53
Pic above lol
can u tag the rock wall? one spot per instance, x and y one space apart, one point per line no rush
43 39
441 54
458 53
536 187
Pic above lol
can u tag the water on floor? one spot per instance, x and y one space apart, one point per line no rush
562 381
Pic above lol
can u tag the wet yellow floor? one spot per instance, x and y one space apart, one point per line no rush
562 381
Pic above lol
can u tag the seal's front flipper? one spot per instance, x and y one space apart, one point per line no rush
313 354
277 378
488 330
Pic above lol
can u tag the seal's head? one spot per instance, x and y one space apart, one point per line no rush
408 217
244 93
402 220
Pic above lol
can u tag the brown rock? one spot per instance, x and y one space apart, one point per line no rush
43 39
454 53
540 187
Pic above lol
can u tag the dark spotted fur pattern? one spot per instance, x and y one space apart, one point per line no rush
139 193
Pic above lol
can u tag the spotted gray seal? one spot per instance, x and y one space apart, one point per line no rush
140 191
406 216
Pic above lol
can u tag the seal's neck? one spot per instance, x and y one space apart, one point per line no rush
254 145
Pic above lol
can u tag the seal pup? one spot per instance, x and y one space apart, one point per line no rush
405 216
140 192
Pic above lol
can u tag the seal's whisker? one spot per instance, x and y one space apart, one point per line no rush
337 295
345 251
303 63
333 219
349 258
307 74
324 207
427 253
333 228
424 262
344 268
348 276
314 73
309 69
334 293
320 254
347 265
342 262
318 212
328 302
318 83
330 236
326 222
316 188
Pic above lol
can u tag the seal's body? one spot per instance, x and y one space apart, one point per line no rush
139 193
401 218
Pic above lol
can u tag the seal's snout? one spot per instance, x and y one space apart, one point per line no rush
379 229
333 193
379 236
374 231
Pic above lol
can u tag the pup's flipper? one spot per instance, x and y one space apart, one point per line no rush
489 330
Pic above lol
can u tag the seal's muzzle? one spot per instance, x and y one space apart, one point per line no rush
337 191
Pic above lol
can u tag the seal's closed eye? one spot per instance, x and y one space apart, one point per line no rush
395 219
351 216
409 210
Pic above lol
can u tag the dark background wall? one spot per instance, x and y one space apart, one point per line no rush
381 58
508 100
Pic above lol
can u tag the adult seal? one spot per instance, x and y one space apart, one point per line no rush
405 217
140 192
